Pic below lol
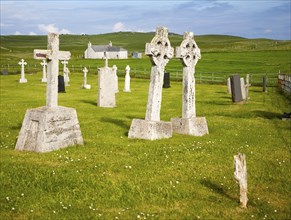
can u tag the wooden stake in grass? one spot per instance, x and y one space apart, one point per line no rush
240 174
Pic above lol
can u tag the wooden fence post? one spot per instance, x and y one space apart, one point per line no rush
240 174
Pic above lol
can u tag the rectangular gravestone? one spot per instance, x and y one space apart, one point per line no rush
166 80
236 88
106 87
61 84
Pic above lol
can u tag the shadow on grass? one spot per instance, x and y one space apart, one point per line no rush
268 115
89 102
17 127
117 122
217 189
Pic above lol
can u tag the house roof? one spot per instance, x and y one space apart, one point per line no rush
106 48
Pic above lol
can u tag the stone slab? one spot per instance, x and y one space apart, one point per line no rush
106 87
47 129
150 130
195 126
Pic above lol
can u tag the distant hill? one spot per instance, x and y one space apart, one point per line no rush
14 45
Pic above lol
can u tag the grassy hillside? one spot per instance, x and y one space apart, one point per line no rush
221 55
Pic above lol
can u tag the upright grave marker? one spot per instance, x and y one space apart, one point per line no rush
240 174
106 85
85 85
22 79
160 52
66 72
236 90
50 127
127 79
189 124
116 78
44 64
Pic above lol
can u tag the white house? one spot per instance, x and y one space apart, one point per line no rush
98 52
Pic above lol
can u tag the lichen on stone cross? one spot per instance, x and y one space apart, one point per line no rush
53 55
188 52
159 49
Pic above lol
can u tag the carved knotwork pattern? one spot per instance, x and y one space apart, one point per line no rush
189 51
160 50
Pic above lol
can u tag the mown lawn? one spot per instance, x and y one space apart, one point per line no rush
113 177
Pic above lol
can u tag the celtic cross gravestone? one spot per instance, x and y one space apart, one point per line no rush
160 52
189 124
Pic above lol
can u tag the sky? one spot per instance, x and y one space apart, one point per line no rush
246 18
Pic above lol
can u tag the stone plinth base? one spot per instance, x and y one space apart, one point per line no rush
126 90
48 129
196 126
86 86
44 80
23 80
150 130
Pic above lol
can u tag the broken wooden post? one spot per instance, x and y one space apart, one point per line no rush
240 174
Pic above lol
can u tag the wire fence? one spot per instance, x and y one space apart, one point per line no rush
175 74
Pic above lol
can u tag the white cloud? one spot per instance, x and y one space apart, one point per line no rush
32 33
53 29
119 26
17 33
268 31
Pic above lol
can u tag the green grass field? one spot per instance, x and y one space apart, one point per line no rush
113 177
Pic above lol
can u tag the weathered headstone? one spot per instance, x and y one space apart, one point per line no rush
243 88
106 86
240 174
248 84
228 86
61 84
85 85
127 79
236 93
116 78
189 124
50 127
66 76
22 79
166 83
160 52
44 64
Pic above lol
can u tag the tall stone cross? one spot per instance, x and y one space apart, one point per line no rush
160 52
64 62
44 64
85 71
53 55
189 54
22 63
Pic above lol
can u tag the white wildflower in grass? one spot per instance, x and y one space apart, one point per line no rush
12 208
138 216
22 194
31 210
7 199
275 210
54 211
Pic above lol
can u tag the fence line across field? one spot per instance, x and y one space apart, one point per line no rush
175 74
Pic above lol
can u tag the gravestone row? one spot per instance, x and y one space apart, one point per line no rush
52 127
